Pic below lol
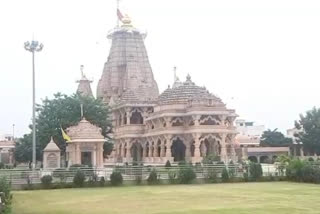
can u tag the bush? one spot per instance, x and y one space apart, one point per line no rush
46 181
210 159
255 171
116 178
102 181
138 179
168 164
225 175
79 178
303 171
172 175
186 175
5 187
232 173
1 165
153 177
211 176
61 174
294 170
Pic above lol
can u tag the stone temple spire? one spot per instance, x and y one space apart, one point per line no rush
84 87
127 67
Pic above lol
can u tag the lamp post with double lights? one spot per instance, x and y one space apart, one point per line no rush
33 47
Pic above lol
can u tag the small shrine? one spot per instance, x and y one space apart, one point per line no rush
86 144
51 156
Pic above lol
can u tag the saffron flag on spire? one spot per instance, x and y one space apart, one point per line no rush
65 136
120 16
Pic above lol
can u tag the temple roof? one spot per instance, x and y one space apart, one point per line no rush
84 130
84 87
185 92
51 146
127 68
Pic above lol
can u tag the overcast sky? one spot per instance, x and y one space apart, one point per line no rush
261 57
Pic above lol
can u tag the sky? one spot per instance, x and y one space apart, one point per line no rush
261 58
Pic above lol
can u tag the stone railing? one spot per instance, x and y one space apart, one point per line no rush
130 129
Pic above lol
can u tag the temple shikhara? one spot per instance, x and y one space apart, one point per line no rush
183 123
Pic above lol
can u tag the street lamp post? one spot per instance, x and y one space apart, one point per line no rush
33 47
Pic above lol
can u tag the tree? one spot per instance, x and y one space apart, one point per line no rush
274 139
309 131
63 111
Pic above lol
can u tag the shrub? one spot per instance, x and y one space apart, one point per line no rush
46 181
246 176
1 165
210 159
153 177
102 181
138 179
79 178
186 175
116 178
211 175
5 187
255 171
61 174
225 175
310 159
172 175
182 163
168 164
294 170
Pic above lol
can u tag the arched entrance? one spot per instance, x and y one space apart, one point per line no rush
210 146
264 159
136 152
178 150
253 159
136 118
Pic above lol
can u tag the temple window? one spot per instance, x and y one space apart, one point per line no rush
136 118
125 119
209 120
120 120
177 122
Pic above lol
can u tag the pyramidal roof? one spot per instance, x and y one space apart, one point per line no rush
51 146
84 87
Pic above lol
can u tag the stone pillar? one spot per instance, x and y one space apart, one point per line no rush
122 150
223 155
188 150
128 154
94 156
128 117
168 151
144 151
155 150
162 154
78 154
100 163
150 150
197 153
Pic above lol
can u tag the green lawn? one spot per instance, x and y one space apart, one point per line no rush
237 198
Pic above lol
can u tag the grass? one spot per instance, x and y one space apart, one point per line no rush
236 198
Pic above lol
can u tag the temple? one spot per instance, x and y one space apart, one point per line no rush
184 123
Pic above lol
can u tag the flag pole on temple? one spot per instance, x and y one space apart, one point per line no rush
118 2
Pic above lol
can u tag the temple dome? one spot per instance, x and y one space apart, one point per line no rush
185 92
84 130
